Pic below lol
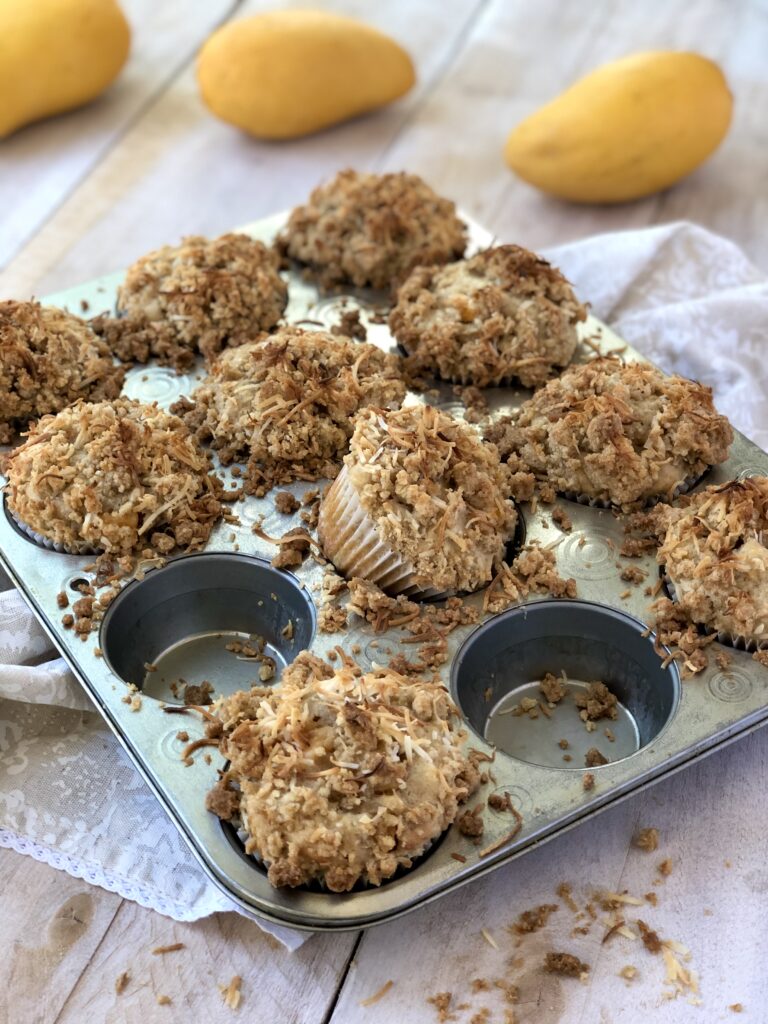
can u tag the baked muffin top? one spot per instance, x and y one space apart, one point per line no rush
618 433
435 492
285 403
715 554
49 358
113 476
199 296
372 229
342 777
499 315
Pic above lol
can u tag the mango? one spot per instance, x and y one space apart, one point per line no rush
627 130
284 74
56 55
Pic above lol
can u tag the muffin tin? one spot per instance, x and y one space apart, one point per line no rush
180 618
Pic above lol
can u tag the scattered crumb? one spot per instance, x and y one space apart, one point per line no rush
565 964
634 574
163 1000
629 972
563 744
647 839
562 519
565 892
122 982
593 758
553 687
173 948
198 693
652 898
588 781
231 993
62 600
736 1008
182 735
726 864
350 325
532 920
651 940
665 867
489 938
470 823
378 995
442 1004
286 503
596 702
500 801
459 857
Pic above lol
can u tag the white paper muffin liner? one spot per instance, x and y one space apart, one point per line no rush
45 542
350 540
728 639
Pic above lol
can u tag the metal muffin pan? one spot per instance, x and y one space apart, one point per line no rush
181 617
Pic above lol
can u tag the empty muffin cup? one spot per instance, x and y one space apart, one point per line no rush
206 625
496 675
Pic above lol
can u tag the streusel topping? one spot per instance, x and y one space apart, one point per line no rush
372 229
715 554
286 403
116 476
620 433
199 296
49 358
342 777
502 314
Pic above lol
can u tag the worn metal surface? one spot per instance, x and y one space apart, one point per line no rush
700 715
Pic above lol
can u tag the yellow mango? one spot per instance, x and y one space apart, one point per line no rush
56 55
628 129
287 73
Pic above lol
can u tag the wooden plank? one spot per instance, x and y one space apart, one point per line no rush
179 171
50 927
42 163
713 902
520 56
292 988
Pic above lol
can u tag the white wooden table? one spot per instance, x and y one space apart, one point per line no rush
87 193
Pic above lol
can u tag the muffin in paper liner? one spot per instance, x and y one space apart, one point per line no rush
349 538
734 640
421 507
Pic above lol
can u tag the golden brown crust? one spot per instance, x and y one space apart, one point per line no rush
502 314
436 494
201 295
619 433
372 229
342 777
286 403
715 554
115 476
49 359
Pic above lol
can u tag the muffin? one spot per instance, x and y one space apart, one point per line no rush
420 507
503 314
112 476
200 296
621 434
372 229
49 359
343 779
285 404
715 555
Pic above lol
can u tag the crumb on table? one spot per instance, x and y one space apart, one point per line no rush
565 964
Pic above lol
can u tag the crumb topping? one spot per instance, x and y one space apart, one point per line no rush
501 314
619 433
114 476
435 493
286 403
342 777
715 554
199 296
49 359
372 229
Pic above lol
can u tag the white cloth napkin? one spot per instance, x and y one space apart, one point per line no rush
686 298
